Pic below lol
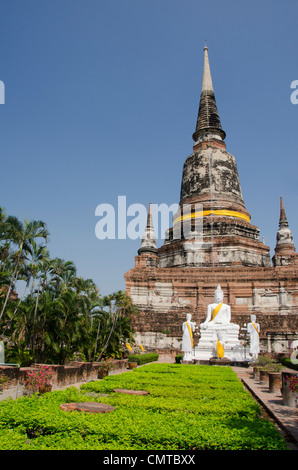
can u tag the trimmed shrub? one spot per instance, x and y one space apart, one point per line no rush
143 358
178 358
188 408
286 361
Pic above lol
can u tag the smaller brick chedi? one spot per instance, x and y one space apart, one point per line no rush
212 241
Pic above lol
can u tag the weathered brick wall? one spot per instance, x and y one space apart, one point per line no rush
74 372
12 373
165 295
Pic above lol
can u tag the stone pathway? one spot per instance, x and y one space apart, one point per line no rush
285 417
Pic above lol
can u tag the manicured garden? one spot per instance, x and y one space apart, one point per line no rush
187 408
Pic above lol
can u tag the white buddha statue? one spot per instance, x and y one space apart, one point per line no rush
253 329
219 337
218 313
188 329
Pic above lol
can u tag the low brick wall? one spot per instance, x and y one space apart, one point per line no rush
72 373
13 373
275 381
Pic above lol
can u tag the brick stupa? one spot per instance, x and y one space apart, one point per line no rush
212 241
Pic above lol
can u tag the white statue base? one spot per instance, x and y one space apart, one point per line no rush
205 350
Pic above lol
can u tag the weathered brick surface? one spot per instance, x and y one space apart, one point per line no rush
274 381
270 293
74 372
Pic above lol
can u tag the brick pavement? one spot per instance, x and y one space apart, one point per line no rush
285 417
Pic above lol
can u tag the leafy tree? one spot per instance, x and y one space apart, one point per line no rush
113 325
21 235
59 316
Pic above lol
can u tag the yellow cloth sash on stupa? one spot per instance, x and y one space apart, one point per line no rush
190 333
219 349
220 212
216 310
254 327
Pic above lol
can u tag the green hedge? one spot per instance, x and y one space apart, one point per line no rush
188 408
178 358
143 358
286 361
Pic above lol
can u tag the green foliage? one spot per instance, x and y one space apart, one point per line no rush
187 408
178 358
60 316
263 361
143 358
286 361
268 364
17 354
3 380
273 367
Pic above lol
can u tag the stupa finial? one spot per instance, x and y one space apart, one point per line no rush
208 121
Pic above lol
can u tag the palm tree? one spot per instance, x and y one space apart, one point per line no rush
63 314
31 270
63 274
4 242
41 259
62 329
112 325
86 287
6 256
21 235
39 253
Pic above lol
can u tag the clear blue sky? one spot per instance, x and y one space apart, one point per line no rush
101 100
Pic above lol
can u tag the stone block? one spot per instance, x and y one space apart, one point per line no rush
130 392
87 407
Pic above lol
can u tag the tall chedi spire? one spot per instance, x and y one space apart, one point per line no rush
285 252
148 252
148 244
208 121
211 172
211 199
